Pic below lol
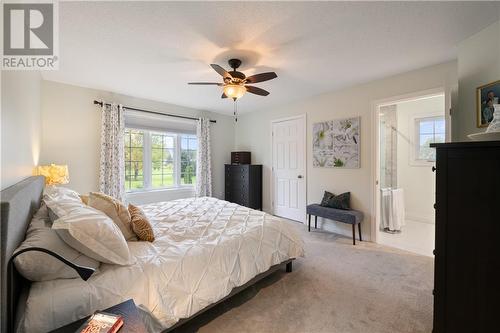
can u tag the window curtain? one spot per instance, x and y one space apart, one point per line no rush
112 167
203 159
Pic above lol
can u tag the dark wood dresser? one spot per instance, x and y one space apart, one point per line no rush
467 249
244 185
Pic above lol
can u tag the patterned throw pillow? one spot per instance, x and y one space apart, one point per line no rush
341 201
326 198
140 224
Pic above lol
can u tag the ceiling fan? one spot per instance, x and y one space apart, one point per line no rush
235 84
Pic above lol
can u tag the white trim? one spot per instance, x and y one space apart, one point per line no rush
146 160
304 124
375 154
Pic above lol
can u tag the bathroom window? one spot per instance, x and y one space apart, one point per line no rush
428 130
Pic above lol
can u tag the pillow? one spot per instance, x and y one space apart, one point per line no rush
59 207
84 198
326 197
39 266
93 234
341 201
140 224
61 193
115 210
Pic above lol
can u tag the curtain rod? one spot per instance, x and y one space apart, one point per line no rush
154 112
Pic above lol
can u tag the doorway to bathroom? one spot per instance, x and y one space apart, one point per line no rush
405 186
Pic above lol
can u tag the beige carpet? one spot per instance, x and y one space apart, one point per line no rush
337 287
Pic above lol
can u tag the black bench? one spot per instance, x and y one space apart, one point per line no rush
352 217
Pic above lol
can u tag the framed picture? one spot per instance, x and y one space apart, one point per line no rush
336 143
487 95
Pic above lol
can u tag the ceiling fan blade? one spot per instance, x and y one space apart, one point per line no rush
221 71
206 83
223 95
257 91
261 77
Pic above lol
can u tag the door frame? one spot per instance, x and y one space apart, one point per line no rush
375 158
304 124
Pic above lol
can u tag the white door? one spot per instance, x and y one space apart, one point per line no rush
289 168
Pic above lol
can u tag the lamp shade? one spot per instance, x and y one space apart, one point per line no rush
234 91
54 174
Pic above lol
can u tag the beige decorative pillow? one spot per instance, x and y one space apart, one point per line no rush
85 199
115 210
140 224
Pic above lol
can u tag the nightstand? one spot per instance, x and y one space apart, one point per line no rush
132 322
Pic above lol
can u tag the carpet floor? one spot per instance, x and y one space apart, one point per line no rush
337 287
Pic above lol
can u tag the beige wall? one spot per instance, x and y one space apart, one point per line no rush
478 64
71 134
253 134
20 118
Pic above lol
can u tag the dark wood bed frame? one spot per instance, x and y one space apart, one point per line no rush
18 204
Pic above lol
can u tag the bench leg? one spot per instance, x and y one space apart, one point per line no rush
359 229
315 222
288 267
309 223
353 234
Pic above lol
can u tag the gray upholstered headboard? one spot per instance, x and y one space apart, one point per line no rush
18 204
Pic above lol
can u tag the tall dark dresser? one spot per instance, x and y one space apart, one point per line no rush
467 249
244 185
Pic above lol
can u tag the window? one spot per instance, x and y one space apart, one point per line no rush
134 156
428 130
162 160
155 160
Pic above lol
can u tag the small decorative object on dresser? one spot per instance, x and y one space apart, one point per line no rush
493 131
241 157
127 311
244 185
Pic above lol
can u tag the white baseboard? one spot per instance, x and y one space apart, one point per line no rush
419 217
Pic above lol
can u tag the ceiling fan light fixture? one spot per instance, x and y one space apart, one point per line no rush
234 91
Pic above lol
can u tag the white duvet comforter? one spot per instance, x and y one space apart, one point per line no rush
203 249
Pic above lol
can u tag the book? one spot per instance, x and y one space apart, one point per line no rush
102 322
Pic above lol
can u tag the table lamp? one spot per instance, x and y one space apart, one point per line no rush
54 174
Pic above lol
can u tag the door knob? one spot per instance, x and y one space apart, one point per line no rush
299 176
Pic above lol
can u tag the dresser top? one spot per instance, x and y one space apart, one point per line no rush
476 144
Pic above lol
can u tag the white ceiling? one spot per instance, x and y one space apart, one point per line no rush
151 50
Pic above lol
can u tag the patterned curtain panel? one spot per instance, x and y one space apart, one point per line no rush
112 168
203 159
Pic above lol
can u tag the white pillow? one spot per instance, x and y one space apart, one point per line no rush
61 193
40 266
94 234
61 201
62 207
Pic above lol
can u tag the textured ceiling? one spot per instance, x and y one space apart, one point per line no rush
152 49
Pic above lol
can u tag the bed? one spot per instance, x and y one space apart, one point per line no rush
205 251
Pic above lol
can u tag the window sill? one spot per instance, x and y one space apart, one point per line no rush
164 189
141 197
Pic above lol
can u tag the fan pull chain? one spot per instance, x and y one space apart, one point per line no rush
235 112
